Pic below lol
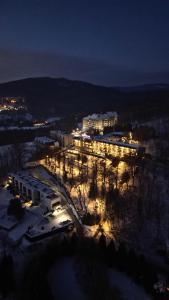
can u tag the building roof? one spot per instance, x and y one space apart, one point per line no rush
33 182
7 221
44 140
22 227
109 114
115 133
50 223
105 141
121 144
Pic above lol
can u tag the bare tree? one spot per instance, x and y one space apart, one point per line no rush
18 153
125 178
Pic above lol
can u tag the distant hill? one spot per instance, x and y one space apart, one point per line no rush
59 96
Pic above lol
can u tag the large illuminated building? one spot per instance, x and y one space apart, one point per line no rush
107 147
100 121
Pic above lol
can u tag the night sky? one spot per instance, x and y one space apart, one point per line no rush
110 42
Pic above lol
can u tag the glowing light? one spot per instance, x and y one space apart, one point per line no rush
28 204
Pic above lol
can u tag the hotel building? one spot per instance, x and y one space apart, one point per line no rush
107 147
100 121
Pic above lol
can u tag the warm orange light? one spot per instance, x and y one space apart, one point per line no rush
28 204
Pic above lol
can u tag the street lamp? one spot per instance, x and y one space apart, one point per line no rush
47 159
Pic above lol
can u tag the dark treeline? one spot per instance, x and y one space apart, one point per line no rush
57 96
7 276
86 251
21 135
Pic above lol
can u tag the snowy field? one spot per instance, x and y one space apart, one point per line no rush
129 290
5 197
64 284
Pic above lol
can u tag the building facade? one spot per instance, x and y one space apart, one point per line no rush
100 121
106 147
65 139
34 190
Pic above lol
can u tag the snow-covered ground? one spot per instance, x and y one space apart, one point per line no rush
64 283
5 197
158 124
129 290
34 216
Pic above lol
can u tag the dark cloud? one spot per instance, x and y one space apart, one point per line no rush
15 65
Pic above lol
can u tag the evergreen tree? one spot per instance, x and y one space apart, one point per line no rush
7 277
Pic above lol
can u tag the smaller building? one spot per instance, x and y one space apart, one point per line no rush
65 139
51 224
34 190
100 121
45 213
45 141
